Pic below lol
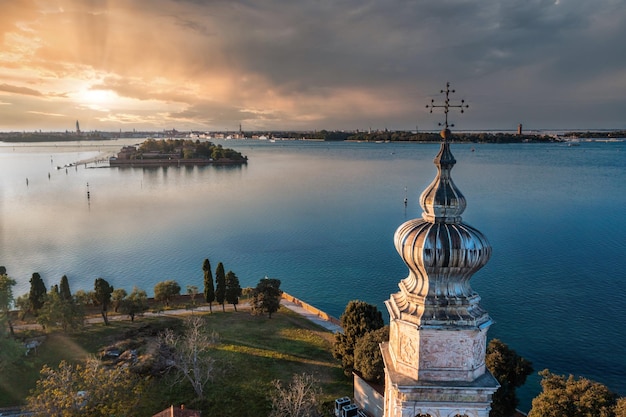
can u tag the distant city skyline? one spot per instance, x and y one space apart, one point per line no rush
283 65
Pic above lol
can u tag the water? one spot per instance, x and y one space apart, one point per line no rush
321 216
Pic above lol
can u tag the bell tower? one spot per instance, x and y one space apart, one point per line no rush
435 357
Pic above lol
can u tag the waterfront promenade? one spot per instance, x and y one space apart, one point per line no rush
306 310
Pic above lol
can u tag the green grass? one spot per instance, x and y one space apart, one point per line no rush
253 351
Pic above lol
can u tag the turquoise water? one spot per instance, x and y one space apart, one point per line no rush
321 216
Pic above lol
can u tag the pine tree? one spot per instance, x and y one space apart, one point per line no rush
358 319
209 288
266 296
233 289
220 285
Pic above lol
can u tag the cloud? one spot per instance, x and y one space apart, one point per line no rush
310 64
47 114
19 90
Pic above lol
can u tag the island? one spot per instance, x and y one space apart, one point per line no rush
176 152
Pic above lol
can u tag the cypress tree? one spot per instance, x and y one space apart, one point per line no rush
37 294
209 289
64 289
220 285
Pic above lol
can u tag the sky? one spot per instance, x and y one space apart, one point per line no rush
213 65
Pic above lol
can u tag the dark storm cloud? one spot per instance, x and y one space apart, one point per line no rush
337 64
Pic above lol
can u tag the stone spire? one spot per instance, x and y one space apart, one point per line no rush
435 357
442 254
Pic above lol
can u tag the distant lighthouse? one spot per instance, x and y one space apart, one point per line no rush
77 128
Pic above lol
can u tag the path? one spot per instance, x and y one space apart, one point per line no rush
205 309
311 316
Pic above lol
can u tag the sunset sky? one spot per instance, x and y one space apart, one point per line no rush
310 64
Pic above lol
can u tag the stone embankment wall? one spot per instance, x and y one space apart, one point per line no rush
311 309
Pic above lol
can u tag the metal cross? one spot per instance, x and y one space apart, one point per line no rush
447 106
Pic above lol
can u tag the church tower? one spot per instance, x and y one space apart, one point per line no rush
435 357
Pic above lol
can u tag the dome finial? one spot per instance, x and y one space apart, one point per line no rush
445 133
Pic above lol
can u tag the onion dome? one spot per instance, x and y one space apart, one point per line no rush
442 253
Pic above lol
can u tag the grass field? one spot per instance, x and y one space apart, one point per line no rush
253 351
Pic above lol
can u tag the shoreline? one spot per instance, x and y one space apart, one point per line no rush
288 301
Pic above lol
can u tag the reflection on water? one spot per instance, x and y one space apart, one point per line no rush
321 217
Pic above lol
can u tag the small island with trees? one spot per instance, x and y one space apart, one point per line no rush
176 152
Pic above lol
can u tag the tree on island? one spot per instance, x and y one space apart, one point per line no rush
166 290
266 297
37 294
574 397
220 285
209 288
233 289
102 297
511 371
358 319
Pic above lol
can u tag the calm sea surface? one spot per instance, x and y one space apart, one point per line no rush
321 216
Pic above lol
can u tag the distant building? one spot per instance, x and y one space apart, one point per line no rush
77 128
519 129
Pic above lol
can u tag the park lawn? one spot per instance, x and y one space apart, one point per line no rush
16 381
253 351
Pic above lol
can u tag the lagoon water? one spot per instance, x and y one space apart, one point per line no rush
321 216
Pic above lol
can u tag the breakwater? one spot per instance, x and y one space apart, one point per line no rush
311 309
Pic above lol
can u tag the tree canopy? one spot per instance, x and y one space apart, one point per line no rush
511 371
59 312
38 291
368 359
209 288
220 285
573 397
102 297
233 289
358 319
6 298
135 303
266 297
87 389
166 290
64 288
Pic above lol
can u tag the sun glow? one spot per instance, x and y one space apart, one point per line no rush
97 99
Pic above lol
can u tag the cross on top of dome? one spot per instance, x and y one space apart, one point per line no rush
446 108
